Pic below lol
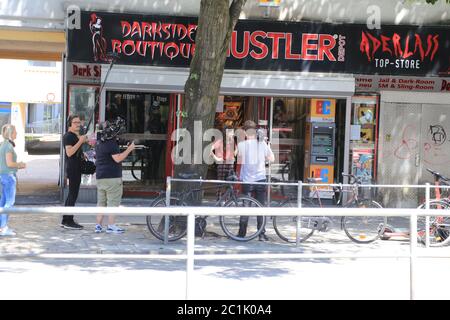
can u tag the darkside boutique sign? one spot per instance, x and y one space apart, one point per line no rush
265 45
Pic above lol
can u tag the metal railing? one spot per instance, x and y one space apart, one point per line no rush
191 212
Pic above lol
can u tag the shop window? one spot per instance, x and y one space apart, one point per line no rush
363 137
5 113
82 101
146 116
143 112
288 126
43 118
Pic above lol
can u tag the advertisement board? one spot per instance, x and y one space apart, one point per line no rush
265 45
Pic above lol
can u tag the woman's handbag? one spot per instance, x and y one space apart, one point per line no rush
87 167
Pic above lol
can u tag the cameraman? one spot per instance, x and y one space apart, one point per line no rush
109 174
252 155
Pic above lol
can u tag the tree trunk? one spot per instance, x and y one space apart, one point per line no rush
216 23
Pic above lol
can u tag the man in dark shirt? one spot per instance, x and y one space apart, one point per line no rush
109 179
73 155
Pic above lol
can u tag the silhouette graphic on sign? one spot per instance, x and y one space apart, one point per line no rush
98 41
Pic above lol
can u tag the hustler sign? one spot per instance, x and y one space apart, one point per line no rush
265 45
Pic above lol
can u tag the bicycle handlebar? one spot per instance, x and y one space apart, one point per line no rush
353 179
438 176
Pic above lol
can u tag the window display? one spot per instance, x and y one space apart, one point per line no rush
82 101
363 146
146 117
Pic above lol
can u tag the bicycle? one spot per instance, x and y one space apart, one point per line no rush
439 226
228 224
141 163
358 229
138 161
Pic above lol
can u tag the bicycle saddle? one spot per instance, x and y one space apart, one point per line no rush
189 176
438 175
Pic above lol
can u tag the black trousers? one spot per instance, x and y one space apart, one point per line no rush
260 195
74 189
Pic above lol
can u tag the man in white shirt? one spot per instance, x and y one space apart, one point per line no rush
252 155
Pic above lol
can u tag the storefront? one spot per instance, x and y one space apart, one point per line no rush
414 115
243 96
287 77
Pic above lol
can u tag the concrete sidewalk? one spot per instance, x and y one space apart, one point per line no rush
42 234
131 278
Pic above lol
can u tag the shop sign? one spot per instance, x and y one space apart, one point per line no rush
322 110
265 45
325 172
366 83
84 72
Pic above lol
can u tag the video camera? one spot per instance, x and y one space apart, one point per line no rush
261 134
110 130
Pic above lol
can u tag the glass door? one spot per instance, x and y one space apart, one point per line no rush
147 117
82 102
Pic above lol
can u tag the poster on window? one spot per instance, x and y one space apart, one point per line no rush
366 115
362 164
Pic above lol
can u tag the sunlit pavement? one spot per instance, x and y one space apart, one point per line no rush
273 278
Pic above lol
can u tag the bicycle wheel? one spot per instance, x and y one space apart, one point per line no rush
177 224
286 226
285 172
137 169
234 226
364 229
439 226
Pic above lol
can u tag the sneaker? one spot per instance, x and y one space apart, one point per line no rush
263 237
98 228
7 232
112 228
71 225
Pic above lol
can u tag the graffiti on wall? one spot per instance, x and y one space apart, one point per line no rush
408 145
436 147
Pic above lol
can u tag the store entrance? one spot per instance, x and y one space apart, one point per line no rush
285 121
147 122
231 113
308 139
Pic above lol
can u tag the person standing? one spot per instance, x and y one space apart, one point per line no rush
252 155
73 155
223 153
8 178
109 179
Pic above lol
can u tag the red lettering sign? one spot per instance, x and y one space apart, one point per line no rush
395 46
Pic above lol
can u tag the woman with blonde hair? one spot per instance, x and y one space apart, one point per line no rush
8 179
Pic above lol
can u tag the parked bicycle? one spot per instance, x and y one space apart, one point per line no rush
363 229
138 162
141 163
439 226
189 196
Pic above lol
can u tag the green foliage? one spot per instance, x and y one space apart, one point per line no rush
434 1
194 76
428 1
183 114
